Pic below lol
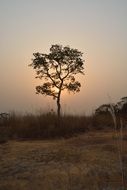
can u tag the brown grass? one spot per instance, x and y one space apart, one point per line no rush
43 126
47 126
86 162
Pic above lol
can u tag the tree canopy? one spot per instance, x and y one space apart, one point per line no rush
58 69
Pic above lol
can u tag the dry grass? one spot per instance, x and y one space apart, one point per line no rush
86 162
45 126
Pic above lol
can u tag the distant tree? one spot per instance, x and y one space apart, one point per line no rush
58 69
122 106
105 109
119 108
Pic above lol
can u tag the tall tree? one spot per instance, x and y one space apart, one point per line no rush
58 69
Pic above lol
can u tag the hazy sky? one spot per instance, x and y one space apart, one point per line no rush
98 28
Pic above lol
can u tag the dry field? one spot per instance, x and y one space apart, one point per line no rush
87 162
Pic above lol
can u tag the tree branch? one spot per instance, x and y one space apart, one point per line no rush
52 80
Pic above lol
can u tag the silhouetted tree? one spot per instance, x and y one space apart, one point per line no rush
122 106
58 69
105 109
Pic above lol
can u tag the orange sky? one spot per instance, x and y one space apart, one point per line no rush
97 28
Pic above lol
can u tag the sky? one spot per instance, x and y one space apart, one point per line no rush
98 28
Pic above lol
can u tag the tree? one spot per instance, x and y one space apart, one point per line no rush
122 106
58 69
105 109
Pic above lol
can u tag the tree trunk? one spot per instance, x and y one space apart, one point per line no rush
58 107
58 101
58 104
58 112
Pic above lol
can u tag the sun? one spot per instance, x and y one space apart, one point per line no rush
56 90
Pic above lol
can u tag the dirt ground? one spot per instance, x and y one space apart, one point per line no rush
91 161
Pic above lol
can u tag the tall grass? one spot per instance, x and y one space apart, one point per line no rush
45 125
119 141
